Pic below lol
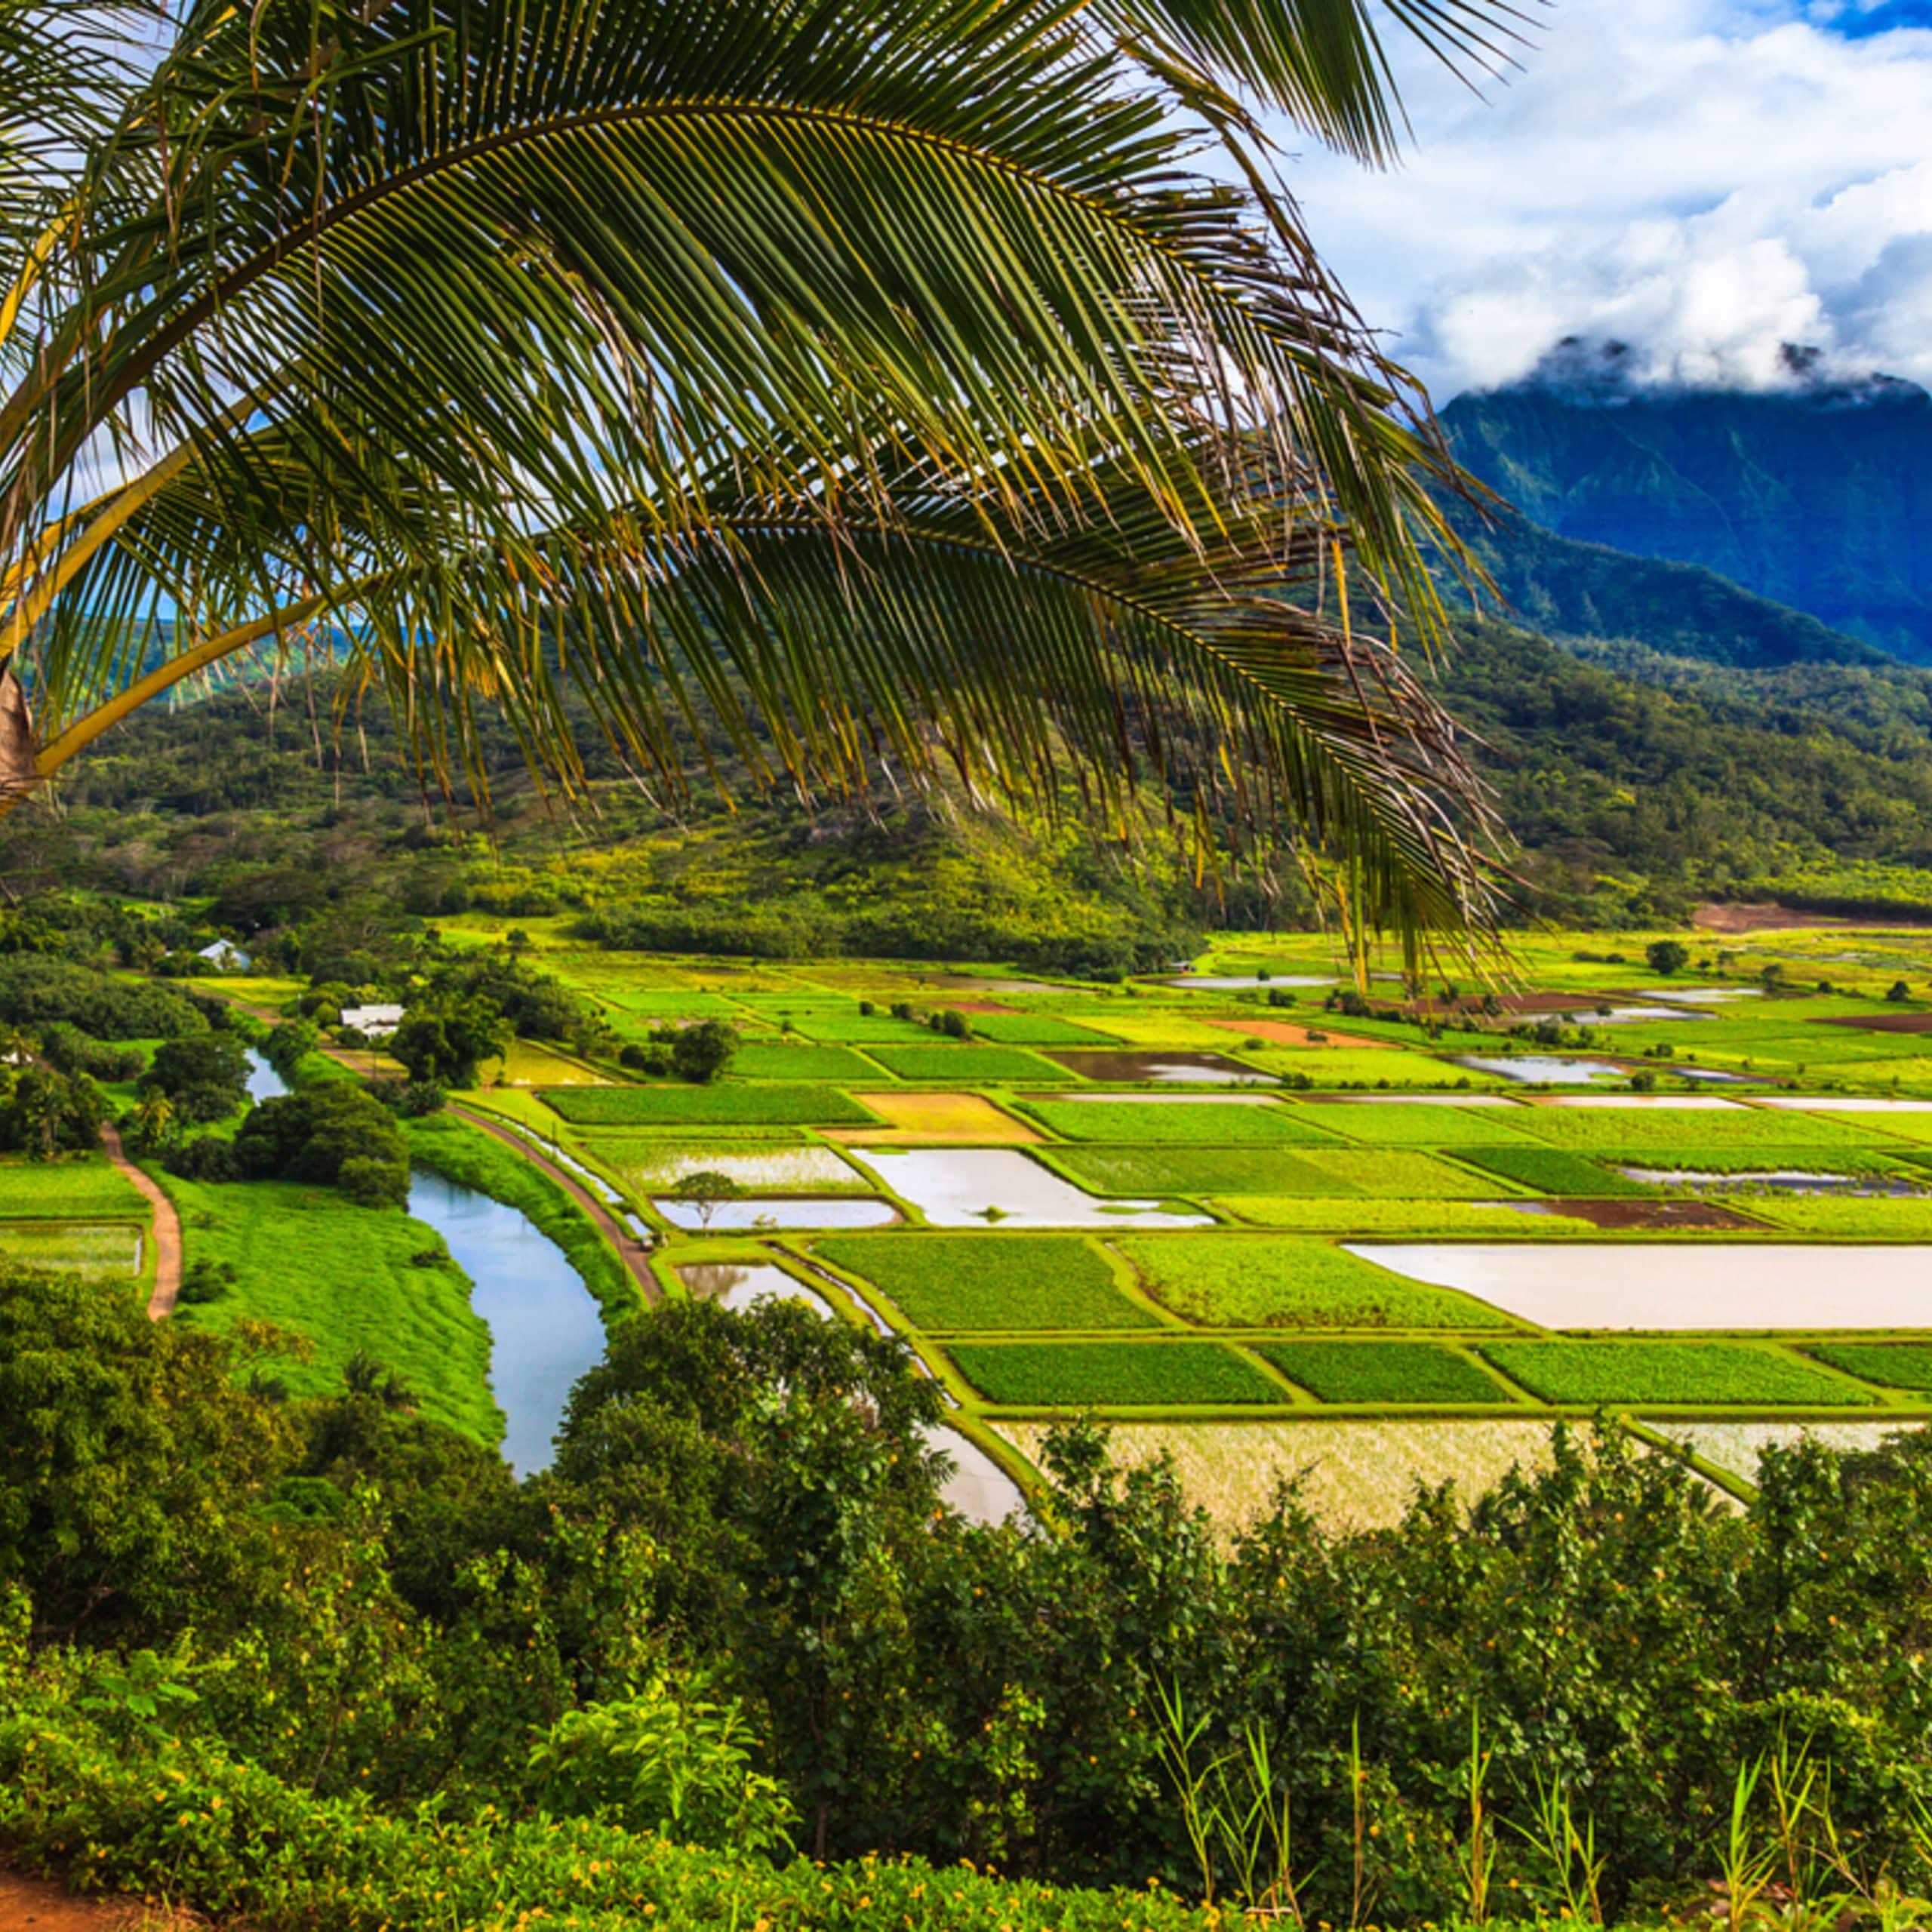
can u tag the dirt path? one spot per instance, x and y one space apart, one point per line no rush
167 1238
636 1256
40 1904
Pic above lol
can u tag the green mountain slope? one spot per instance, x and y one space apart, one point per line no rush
1818 495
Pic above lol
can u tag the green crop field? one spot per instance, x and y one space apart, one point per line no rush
764 1060
968 1282
80 1186
1636 1132
850 1027
1359 1215
1696 1373
1186 1170
1036 1029
1390 1173
1244 1280
1553 1170
705 1106
107 1247
1113 1374
1390 1372
1895 1364
1178 1123
951 1066
1844 1217
1419 1124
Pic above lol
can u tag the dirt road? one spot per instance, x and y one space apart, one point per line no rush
166 1226
636 1256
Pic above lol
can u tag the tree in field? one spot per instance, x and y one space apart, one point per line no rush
1667 956
702 1052
707 1191
907 385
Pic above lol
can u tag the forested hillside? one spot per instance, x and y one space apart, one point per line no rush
1817 495
1636 781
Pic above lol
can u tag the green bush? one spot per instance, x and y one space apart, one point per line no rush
1384 1372
1586 1373
131 1813
990 1281
330 1135
1113 1374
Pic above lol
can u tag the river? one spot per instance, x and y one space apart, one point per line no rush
545 1329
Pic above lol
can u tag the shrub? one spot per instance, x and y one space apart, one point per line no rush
204 1282
334 1135
1666 956
209 1158
700 1054
205 1076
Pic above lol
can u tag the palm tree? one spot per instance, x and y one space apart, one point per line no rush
908 385
153 1116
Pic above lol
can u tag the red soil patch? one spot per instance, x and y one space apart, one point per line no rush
1763 919
41 1905
1654 1214
979 1006
1283 1034
1885 1022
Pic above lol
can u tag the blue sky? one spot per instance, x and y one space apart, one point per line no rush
1705 178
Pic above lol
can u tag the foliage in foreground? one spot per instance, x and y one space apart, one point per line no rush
333 1615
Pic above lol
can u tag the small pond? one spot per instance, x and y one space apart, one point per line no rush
1775 1180
1669 1104
1236 983
1545 1069
740 1285
738 1217
978 1487
1623 1015
1582 1284
1164 1069
972 1187
545 1329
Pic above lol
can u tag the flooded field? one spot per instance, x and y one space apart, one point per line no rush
967 1187
1762 1286
1162 1069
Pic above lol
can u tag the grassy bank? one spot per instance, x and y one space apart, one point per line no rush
348 1280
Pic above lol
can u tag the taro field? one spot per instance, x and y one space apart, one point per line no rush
1277 1225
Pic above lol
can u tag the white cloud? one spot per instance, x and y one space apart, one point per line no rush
1706 178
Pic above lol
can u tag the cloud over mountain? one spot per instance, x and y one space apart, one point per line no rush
1707 180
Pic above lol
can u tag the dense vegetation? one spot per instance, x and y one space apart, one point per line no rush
249 1641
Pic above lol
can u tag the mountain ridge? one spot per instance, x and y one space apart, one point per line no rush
1817 495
